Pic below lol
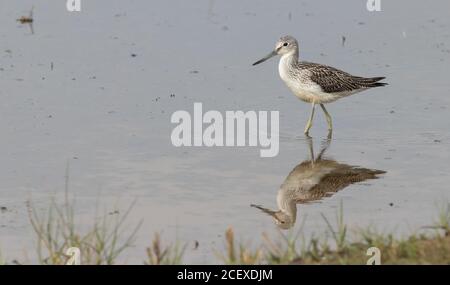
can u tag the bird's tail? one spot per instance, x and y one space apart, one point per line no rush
371 82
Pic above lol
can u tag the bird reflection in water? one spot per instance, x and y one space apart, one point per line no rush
314 180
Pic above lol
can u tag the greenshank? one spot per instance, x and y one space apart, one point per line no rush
313 180
316 83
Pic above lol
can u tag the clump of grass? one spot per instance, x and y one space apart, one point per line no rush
370 236
443 221
280 252
158 254
57 230
340 233
238 254
285 249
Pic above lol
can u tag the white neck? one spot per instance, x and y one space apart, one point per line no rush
286 203
286 62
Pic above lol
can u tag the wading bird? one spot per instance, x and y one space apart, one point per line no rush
316 83
313 180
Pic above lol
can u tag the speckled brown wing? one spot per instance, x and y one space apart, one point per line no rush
333 80
343 176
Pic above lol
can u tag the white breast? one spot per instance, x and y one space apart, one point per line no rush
300 84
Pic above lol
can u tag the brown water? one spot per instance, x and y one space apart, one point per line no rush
105 109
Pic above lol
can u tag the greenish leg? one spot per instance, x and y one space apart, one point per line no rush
309 123
311 149
329 121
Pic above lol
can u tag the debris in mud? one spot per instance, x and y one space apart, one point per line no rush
26 19
172 95
3 209
343 40
391 204
133 55
194 71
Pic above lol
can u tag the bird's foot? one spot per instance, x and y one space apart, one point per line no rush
307 128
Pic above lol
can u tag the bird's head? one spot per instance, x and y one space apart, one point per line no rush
281 219
285 45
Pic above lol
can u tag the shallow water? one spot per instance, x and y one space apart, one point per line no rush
104 110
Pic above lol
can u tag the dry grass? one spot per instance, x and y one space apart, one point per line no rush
240 254
159 254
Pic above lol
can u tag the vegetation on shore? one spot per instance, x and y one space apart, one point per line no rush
430 246
107 238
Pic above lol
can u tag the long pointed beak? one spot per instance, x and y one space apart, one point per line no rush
265 210
272 54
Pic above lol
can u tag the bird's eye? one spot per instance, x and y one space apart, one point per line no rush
285 44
